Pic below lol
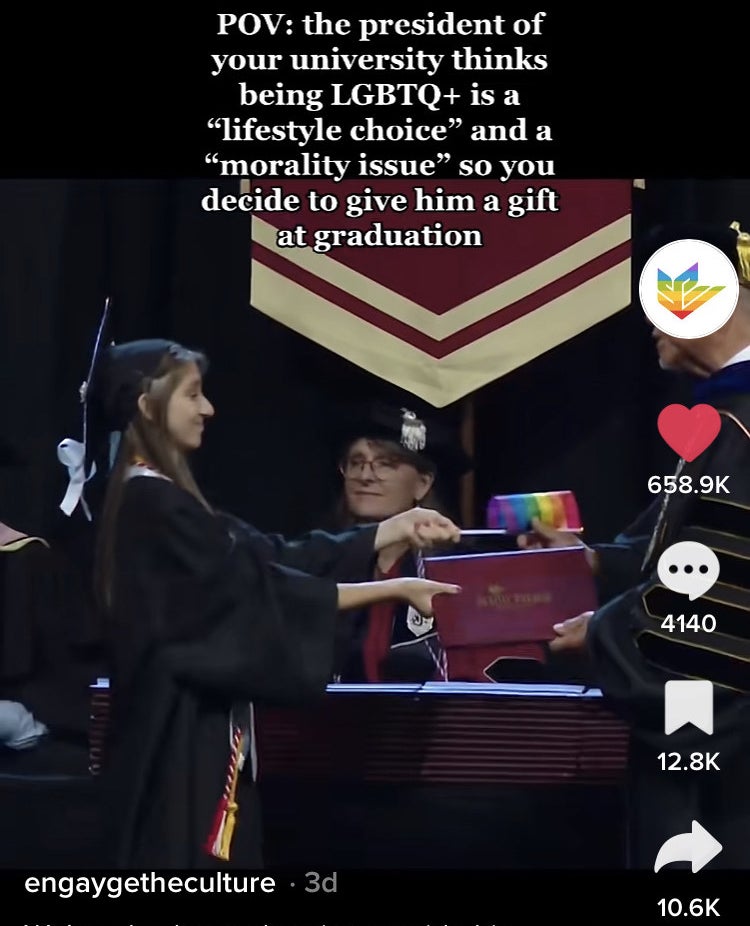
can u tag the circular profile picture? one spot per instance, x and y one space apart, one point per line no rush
689 289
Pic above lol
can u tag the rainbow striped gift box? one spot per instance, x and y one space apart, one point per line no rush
514 513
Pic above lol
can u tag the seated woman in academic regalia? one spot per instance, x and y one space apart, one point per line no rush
207 616
390 459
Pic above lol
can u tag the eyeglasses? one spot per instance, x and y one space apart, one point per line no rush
382 467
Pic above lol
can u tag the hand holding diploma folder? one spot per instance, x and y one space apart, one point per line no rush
511 599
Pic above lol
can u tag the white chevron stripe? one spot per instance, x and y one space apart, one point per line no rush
440 382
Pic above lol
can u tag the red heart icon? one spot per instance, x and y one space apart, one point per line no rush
688 431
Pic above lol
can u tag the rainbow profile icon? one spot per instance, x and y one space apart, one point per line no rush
682 295
689 289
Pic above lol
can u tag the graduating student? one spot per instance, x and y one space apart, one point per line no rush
206 616
390 460
634 649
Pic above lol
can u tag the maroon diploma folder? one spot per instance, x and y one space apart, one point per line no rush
508 605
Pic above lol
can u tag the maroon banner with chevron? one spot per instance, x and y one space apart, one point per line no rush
441 322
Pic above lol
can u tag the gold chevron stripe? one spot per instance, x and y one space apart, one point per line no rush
440 381
20 544
439 327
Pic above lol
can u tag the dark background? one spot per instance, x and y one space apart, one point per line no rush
581 417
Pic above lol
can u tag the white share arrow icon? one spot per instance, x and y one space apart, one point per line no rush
697 847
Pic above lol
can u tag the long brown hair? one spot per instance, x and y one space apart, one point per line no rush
147 439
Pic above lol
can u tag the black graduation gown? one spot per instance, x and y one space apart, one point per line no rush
620 562
633 657
414 653
207 613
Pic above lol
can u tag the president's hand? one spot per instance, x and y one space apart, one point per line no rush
543 536
571 634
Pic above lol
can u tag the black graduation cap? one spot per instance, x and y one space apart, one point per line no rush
728 239
109 397
119 379
432 441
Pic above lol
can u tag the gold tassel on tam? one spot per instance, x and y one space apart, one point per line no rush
219 842
743 254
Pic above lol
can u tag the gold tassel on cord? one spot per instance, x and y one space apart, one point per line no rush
219 842
743 254
229 823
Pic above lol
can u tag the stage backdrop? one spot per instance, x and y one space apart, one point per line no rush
580 416
443 322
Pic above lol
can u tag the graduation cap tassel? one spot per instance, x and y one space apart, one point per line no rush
413 431
219 842
74 454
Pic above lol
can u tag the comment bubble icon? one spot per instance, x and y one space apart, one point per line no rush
689 568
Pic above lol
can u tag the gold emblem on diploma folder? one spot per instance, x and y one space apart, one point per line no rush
497 597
